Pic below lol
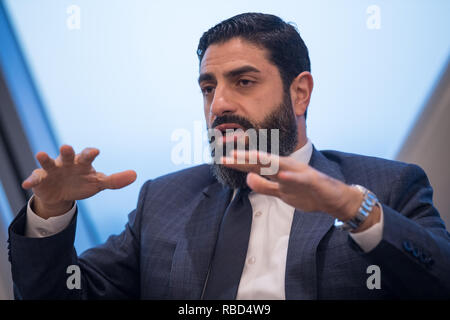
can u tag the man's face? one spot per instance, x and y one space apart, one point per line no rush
236 78
243 90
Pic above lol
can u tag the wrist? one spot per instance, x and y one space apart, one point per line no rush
46 210
351 202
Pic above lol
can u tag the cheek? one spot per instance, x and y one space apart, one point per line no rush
261 106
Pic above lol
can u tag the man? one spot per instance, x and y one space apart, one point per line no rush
225 231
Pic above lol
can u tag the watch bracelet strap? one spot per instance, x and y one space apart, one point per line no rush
369 201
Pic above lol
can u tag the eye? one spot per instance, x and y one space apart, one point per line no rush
245 82
207 90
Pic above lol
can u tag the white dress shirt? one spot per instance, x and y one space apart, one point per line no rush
264 270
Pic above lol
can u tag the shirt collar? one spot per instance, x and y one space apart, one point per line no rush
303 154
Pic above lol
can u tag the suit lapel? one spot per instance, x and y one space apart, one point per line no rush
195 246
307 230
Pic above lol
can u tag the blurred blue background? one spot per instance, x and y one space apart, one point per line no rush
127 78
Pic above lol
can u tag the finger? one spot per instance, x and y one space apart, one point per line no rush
45 161
300 176
294 179
284 163
288 176
268 172
88 155
119 180
264 160
246 167
262 185
254 161
67 154
34 179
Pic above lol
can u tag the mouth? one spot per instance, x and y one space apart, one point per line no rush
231 132
225 128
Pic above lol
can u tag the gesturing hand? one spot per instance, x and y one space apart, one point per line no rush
297 184
69 177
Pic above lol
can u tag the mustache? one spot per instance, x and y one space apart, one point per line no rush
230 118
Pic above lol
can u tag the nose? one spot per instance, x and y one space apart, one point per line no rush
221 102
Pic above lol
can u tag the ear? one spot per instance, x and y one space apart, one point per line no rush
300 90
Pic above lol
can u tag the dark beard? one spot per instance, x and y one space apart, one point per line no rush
282 118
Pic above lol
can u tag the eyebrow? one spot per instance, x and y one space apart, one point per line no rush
230 74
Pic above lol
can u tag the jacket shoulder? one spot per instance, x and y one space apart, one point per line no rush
382 176
350 162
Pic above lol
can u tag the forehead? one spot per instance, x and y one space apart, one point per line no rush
235 53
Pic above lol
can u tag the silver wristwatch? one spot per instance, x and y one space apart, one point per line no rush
370 200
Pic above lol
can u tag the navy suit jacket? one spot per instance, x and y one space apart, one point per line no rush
166 247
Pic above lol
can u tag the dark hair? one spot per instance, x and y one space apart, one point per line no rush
287 51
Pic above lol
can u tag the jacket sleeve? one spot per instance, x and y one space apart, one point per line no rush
414 252
109 271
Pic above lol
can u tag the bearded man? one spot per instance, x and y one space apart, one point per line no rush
312 229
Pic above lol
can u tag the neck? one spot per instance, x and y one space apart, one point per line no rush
301 135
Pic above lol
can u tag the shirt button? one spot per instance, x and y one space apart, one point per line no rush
258 213
43 232
252 260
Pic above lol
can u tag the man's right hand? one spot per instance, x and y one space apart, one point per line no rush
67 178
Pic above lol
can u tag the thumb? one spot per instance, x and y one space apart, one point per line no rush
119 180
262 185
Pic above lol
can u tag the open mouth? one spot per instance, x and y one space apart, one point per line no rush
229 127
230 132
